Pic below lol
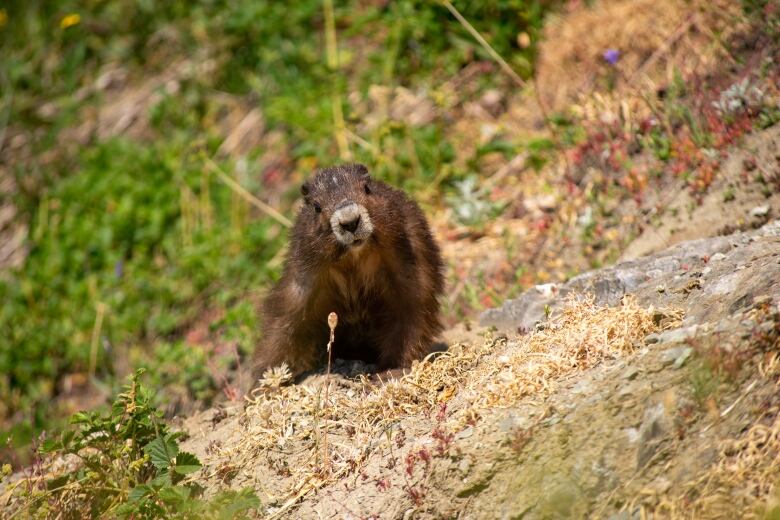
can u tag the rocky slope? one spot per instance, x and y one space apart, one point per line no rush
650 387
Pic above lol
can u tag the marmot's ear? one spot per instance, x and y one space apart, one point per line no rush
305 191
362 171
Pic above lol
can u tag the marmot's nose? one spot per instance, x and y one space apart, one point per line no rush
351 225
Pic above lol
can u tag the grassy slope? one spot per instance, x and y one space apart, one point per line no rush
132 243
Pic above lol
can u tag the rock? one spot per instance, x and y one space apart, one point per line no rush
586 219
683 357
678 335
464 466
659 315
631 373
523 312
673 354
540 204
561 500
760 211
656 425
632 434
547 290
513 422
648 277
492 101
465 433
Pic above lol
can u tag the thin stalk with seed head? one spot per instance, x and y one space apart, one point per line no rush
333 320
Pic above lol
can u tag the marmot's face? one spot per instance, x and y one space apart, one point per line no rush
339 198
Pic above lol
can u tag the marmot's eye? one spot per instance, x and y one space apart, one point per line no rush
366 189
317 207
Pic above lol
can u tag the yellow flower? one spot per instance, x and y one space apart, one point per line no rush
70 20
3 18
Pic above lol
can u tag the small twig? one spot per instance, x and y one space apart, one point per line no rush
663 49
729 408
7 87
515 77
242 192
332 59
485 45
93 347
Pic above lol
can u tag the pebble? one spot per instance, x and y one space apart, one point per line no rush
683 357
671 355
631 373
675 335
465 433
760 211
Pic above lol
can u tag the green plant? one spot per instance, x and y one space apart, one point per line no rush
127 464
471 204
704 382
138 231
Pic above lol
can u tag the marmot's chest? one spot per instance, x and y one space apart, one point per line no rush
360 287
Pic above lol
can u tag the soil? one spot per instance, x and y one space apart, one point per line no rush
735 201
626 436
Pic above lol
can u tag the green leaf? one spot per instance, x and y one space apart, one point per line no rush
163 479
81 417
162 451
57 482
229 505
186 463
137 493
50 445
174 495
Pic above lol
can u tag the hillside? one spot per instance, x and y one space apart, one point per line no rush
603 179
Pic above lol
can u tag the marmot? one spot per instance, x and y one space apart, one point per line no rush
364 250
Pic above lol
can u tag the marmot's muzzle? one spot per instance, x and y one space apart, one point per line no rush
351 222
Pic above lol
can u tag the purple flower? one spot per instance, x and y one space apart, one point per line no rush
119 268
611 56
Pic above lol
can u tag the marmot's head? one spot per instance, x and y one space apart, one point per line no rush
338 199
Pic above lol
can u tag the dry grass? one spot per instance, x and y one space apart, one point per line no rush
746 472
470 378
654 37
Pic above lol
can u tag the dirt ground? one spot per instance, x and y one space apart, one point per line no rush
735 201
620 410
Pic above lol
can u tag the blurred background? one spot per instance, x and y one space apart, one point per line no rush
146 148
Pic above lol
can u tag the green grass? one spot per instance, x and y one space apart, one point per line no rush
115 232
139 228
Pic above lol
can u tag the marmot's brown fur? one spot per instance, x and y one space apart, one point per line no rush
363 250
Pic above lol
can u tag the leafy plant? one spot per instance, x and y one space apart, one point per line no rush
471 205
139 231
127 463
